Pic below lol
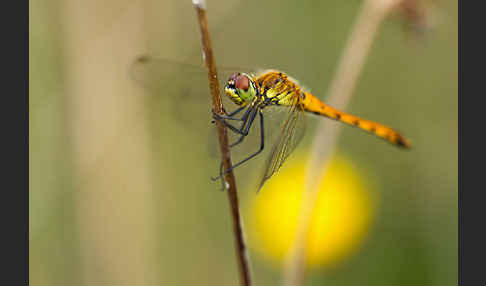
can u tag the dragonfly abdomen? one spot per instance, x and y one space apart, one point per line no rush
314 105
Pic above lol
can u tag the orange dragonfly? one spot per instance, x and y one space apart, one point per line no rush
257 94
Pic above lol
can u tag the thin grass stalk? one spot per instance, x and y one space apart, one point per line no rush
369 19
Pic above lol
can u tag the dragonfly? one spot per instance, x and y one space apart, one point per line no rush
257 93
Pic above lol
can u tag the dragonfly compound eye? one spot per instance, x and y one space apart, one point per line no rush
242 82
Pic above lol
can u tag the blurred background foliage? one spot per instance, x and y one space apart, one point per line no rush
141 210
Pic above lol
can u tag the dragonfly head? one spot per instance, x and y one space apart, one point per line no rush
241 88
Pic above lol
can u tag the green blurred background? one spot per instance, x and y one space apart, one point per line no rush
120 191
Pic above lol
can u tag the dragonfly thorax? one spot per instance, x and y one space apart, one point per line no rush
241 88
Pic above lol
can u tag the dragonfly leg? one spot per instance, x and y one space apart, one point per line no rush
221 176
262 145
239 140
231 115
231 127
223 119
245 129
247 119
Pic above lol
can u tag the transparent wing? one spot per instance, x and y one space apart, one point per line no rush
182 86
159 74
292 132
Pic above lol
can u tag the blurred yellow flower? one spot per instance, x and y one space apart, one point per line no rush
344 210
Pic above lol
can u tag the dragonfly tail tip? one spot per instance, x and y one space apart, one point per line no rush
404 143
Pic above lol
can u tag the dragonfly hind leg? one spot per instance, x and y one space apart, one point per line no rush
262 146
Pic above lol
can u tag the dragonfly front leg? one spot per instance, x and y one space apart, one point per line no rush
223 118
229 116
247 120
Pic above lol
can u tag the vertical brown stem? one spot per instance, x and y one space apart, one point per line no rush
223 142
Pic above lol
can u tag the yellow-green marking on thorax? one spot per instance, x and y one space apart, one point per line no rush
280 88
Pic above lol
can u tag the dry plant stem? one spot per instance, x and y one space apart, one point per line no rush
370 16
223 142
